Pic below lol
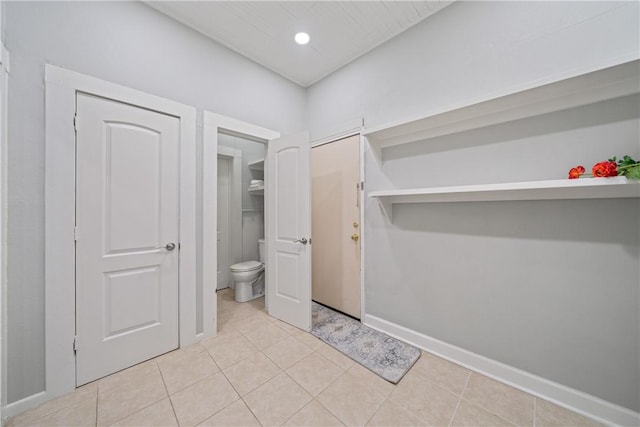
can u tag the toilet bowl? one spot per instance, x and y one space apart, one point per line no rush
249 277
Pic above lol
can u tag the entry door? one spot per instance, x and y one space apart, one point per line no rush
335 211
224 222
288 232
127 236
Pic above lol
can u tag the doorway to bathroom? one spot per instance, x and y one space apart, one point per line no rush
240 222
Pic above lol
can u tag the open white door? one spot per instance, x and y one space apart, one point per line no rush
288 230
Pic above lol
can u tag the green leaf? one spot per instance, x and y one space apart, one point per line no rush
632 172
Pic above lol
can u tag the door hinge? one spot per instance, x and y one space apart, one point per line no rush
75 123
362 185
75 343
75 234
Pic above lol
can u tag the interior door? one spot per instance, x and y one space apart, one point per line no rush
224 222
288 228
127 236
335 214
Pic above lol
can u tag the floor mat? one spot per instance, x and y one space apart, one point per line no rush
380 353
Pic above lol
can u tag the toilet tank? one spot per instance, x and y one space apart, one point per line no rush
261 250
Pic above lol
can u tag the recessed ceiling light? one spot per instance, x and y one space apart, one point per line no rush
302 38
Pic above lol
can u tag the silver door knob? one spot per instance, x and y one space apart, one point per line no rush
303 241
170 246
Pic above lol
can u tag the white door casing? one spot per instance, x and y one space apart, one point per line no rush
288 229
213 124
127 236
61 87
224 222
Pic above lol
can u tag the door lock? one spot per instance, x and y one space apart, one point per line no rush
170 246
355 237
355 225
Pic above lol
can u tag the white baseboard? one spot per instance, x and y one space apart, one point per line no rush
15 408
559 394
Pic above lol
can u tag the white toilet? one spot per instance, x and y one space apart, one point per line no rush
249 277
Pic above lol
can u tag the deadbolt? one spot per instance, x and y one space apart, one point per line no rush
355 225
355 237
170 246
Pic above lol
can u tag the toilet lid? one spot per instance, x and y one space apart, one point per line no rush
246 266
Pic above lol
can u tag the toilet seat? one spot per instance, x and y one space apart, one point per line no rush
246 266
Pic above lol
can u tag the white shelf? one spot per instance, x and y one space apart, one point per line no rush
259 191
256 165
583 188
540 97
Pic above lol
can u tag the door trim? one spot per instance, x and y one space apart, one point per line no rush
235 208
212 124
61 87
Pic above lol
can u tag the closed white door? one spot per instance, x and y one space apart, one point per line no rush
224 222
127 236
288 237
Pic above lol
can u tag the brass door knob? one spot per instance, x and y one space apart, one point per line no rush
355 237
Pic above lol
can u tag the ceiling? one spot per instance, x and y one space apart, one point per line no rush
263 31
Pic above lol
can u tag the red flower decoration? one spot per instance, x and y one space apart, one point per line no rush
576 172
604 169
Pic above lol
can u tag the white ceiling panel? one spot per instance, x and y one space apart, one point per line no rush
263 31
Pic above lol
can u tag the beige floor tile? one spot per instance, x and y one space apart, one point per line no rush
201 400
291 330
370 379
307 339
235 415
313 415
469 414
186 370
314 373
79 395
549 414
431 403
81 414
335 356
349 399
129 397
128 377
277 400
391 414
266 336
251 323
229 351
442 372
159 414
513 405
251 372
287 352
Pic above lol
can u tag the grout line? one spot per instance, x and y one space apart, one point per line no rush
460 399
168 395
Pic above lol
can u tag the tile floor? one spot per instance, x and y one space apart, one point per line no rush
260 371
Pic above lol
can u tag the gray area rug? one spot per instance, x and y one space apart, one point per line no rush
382 354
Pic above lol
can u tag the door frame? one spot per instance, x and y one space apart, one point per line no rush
212 124
337 138
235 202
61 87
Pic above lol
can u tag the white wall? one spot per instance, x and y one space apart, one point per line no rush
133 45
550 287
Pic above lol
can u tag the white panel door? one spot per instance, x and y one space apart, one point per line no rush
224 222
288 230
127 236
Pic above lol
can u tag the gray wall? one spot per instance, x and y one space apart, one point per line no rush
126 43
551 287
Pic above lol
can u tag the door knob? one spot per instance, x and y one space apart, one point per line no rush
170 246
303 241
355 237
